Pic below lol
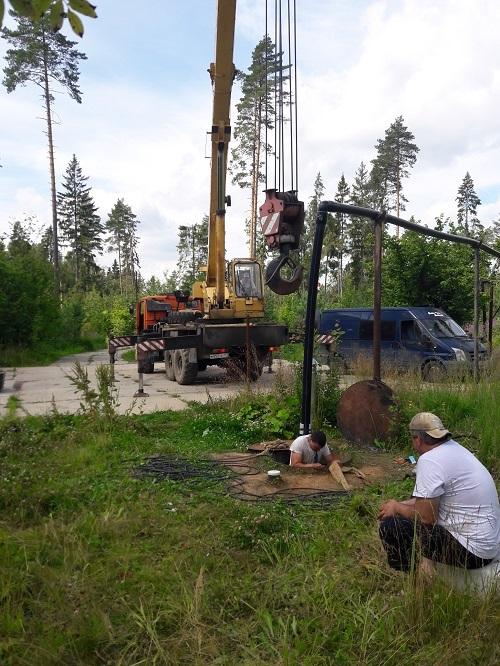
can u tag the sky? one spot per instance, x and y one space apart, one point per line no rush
141 131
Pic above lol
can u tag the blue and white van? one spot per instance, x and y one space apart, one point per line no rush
422 339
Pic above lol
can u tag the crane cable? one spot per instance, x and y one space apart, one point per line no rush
282 98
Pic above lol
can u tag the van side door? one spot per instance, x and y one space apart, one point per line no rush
414 349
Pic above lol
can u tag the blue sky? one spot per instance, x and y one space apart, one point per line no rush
140 132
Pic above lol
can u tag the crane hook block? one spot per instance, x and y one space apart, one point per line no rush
280 284
282 222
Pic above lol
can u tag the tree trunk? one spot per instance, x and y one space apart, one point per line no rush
76 246
341 256
55 245
120 266
398 186
255 180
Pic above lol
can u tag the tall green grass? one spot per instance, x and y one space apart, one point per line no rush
45 353
97 567
468 410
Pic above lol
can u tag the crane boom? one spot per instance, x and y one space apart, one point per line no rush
214 325
222 73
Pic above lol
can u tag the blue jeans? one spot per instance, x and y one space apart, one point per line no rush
404 540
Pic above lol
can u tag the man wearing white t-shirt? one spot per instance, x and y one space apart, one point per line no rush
311 451
453 516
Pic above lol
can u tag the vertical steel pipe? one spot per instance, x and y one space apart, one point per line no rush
377 293
490 320
477 292
305 419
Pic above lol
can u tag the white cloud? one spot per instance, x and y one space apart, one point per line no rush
360 65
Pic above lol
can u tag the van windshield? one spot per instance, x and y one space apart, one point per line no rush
444 327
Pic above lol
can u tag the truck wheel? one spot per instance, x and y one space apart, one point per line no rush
202 365
169 366
433 371
185 371
147 366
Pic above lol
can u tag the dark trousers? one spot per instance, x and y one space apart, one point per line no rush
404 540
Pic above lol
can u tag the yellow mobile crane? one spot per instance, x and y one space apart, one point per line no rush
214 326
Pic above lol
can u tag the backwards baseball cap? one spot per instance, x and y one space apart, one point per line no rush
430 424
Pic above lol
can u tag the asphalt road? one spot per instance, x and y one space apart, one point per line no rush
38 389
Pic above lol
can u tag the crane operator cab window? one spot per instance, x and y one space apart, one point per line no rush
247 280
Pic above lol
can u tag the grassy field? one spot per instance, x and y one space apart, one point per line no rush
98 567
45 354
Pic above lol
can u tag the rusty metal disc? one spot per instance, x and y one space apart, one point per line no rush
367 412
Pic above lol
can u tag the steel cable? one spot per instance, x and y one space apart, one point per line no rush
233 472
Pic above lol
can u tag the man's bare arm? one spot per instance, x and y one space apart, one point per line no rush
425 510
296 461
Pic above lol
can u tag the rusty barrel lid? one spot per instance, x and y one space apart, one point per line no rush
367 411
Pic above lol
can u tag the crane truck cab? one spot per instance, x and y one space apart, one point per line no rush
243 292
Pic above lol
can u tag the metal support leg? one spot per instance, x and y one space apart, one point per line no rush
305 419
140 391
377 294
112 360
477 290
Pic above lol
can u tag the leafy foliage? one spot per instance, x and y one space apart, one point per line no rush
55 11
419 270
29 310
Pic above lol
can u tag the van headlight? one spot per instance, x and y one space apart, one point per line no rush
459 354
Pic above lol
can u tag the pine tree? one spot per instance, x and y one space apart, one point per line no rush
396 154
360 233
122 238
81 227
192 252
47 244
467 203
307 237
255 114
19 240
334 242
44 58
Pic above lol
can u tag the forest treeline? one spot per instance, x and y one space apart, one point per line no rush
55 290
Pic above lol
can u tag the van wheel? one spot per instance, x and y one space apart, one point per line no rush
169 366
433 371
185 371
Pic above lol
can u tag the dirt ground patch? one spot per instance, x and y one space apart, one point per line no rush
252 479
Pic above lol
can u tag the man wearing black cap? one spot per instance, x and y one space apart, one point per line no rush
453 516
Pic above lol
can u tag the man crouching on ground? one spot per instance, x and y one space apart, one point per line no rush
453 516
311 451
